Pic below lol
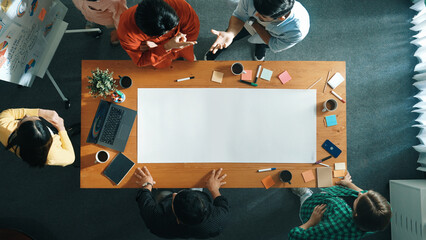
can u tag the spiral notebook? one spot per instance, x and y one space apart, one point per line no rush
118 168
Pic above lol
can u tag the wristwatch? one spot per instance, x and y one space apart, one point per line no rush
251 21
147 183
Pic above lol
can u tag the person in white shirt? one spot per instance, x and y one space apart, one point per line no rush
274 24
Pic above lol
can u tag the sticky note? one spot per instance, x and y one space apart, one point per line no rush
247 76
308 176
217 77
339 173
340 166
42 14
266 74
335 80
324 178
268 182
284 77
331 120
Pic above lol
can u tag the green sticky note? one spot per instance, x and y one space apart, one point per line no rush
266 74
331 120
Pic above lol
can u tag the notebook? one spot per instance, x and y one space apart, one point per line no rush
324 177
118 168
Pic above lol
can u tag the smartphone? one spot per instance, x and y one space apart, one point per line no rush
331 148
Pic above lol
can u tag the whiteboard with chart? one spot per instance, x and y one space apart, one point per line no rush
27 30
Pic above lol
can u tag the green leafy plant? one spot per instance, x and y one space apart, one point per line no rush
101 83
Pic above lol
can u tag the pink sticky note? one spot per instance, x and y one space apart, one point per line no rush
284 77
247 76
42 14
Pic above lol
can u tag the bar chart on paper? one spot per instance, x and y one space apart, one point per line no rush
205 125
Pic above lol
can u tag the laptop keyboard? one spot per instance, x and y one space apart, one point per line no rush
111 126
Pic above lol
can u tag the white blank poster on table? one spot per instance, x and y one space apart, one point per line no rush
235 125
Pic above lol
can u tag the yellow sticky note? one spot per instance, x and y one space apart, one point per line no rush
340 166
339 173
308 176
268 182
217 77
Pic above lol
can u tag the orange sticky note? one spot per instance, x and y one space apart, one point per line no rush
42 14
339 173
217 77
268 182
284 77
247 76
308 176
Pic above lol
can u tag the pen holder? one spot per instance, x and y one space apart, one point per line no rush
118 96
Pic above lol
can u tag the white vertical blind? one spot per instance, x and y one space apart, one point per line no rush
419 22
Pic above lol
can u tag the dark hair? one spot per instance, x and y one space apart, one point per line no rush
373 212
155 17
190 207
33 140
273 8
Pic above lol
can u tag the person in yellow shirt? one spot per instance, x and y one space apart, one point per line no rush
23 132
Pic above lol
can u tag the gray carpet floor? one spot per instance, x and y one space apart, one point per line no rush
371 36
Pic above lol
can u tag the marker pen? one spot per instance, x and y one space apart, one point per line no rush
184 79
249 83
337 95
257 73
266 169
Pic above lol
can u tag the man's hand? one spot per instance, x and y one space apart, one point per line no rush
52 117
315 216
214 182
346 180
179 41
223 40
145 46
143 176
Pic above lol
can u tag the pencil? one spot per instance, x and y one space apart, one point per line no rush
326 80
313 84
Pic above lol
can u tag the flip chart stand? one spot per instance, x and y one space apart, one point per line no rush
52 80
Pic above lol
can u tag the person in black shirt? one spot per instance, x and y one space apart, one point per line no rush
186 214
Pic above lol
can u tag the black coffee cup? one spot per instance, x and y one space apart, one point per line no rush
237 68
102 156
125 81
285 176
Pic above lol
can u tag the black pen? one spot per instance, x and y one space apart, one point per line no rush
249 83
322 160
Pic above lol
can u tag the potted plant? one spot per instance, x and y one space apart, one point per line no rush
101 83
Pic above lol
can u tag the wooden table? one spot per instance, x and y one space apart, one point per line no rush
188 175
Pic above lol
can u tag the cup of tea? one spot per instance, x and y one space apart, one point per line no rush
285 176
330 105
237 68
101 156
125 82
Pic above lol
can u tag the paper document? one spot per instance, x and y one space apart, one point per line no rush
177 125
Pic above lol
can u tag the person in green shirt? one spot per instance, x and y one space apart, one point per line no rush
340 212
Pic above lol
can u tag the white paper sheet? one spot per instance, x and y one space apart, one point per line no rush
178 125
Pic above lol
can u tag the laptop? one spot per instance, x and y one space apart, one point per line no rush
111 126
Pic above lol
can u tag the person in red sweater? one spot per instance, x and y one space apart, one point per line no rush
155 32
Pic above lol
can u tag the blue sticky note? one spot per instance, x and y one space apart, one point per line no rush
266 74
331 120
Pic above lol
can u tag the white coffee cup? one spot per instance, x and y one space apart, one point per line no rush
101 156
332 105
237 68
